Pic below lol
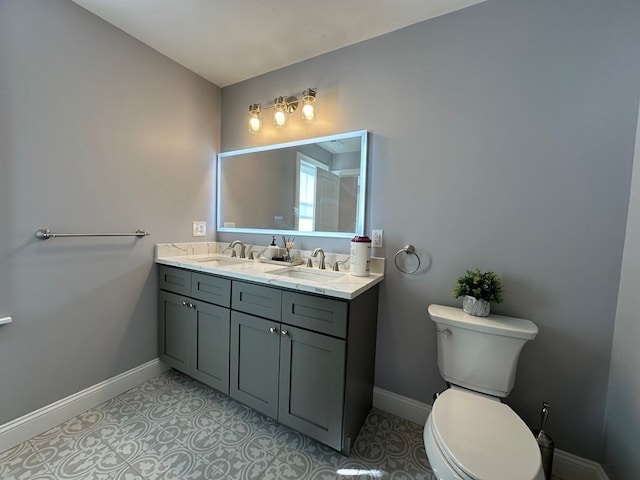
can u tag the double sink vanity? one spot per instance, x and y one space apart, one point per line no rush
293 342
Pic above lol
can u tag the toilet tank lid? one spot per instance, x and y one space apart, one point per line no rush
495 324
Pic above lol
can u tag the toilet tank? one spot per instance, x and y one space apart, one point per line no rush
480 353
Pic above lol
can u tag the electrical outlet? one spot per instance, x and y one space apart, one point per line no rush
376 238
199 228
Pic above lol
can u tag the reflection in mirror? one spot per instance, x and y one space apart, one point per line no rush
310 187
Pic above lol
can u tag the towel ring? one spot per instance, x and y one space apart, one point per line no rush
408 250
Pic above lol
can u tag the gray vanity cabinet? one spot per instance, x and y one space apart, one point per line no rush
193 335
306 360
288 373
288 365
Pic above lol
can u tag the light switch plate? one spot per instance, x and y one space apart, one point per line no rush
199 228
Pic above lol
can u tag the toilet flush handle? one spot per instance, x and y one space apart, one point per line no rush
445 333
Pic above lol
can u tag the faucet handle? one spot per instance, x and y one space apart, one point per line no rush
309 262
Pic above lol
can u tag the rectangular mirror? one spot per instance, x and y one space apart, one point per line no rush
312 187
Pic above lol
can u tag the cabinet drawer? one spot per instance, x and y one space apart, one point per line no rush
211 289
257 300
174 280
314 313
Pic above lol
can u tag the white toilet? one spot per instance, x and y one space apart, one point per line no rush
470 434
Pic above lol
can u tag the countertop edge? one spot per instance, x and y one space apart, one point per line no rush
352 289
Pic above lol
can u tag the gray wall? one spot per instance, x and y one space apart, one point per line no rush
502 138
623 400
98 133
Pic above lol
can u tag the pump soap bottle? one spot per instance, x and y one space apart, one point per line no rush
272 250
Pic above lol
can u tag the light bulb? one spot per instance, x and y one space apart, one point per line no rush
280 118
255 118
254 124
280 115
309 105
308 113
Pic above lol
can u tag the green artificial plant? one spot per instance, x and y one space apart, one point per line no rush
481 285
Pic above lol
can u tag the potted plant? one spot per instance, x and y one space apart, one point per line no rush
479 289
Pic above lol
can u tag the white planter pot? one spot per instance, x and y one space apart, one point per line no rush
476 306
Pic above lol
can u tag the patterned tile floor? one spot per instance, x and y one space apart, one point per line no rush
174 428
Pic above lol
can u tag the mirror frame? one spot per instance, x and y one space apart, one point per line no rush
360 216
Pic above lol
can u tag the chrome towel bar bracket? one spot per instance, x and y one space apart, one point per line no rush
45 233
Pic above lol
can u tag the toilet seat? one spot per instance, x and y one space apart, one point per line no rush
481 438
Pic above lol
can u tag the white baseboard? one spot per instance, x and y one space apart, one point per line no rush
566 466
412 410
23 428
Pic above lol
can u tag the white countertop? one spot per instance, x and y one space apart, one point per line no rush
332 284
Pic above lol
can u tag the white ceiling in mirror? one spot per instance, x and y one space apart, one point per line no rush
209 36
341 145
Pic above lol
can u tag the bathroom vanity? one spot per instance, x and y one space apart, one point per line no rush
295 344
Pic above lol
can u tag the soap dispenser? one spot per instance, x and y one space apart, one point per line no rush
272 250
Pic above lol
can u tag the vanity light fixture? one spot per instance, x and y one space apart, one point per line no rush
283 106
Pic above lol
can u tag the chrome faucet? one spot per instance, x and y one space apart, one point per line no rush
315 254
233 244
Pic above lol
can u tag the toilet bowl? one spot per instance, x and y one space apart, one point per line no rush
470 434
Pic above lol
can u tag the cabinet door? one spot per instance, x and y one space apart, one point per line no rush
312 373
175 330
211 355
255 345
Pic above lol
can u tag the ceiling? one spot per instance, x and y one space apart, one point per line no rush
227 41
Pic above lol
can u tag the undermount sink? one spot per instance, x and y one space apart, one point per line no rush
223 261
305 273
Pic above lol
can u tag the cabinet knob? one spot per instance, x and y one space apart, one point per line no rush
184 304
273 330
284 333
192 305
